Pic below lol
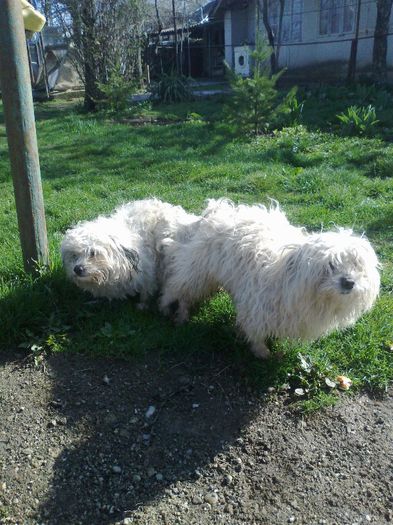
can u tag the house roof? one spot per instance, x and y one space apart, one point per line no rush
203 15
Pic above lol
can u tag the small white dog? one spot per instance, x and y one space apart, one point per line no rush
284 282
118 255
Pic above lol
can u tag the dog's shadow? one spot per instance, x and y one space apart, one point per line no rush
132 430
129 430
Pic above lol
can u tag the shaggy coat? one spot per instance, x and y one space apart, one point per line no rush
117 256
284 282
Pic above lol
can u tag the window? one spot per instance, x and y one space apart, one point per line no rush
291 30
337 16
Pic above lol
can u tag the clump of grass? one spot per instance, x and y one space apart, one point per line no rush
360 121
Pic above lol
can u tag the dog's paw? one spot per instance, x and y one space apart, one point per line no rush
260 350
182 314
142 306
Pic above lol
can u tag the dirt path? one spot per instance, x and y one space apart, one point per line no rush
92 441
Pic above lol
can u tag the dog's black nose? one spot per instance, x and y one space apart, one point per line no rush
347 284
78 269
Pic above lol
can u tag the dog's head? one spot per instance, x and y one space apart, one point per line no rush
100 256
334 275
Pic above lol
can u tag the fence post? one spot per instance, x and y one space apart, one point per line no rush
21 134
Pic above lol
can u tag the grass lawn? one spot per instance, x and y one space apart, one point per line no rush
91 163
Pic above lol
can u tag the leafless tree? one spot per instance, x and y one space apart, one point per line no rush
274 39
384 8
106 35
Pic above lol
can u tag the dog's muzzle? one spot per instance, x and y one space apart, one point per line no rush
79 270
346 284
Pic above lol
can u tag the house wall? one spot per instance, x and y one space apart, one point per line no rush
314 49
318 49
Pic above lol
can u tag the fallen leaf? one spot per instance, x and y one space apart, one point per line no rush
344 383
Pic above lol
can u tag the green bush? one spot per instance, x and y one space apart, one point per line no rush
116 92
255 105
359 121
172 88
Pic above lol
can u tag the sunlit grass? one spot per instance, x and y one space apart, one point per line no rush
91 163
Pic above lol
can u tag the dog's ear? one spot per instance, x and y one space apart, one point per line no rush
132 256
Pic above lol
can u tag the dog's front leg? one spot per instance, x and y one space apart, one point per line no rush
143 301
183 312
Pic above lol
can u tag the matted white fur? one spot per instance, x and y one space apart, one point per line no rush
118 255
284 282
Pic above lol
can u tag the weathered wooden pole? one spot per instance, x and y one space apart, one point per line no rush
21 134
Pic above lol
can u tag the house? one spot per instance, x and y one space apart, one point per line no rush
200 43
316 35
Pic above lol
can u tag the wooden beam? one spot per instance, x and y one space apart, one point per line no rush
21 135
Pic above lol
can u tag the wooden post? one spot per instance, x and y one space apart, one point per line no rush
21 134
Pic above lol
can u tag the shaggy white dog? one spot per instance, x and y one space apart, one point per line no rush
284 282
117 256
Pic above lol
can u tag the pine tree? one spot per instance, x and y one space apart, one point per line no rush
254 100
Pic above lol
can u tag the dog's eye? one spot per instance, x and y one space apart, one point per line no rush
332 267
92 252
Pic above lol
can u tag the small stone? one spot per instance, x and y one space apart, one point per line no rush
228 509
53 423
196 500
159 477
116 469
195 405
211 498
368 517
106 380
3 487
291 519
150 411
35 463
271 390
228 479
136 478
127 521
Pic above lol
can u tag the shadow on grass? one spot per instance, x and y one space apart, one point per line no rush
51 312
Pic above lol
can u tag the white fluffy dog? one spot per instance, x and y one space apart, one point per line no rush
118 255
284 282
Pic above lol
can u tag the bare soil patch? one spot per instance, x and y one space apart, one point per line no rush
170 441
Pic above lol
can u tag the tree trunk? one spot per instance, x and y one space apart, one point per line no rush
354 46
384 8
270 36
92 93
175 29
279 36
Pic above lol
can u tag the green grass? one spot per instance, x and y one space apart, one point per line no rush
91 163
